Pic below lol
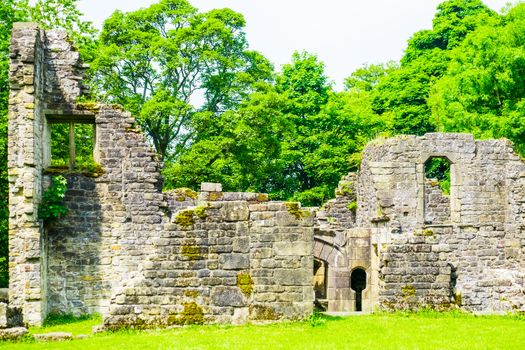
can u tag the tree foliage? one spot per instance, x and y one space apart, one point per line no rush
160 62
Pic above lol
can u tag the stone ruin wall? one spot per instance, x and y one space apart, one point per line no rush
475 258
139 256
142 257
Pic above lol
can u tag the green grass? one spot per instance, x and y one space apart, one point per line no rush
380 331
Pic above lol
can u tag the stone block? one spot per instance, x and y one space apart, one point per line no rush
235 211
234 261
295 277
227 296
12 333
53 336
3 315
293 248
211 187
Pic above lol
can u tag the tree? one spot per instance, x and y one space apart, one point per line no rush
160 61
483 91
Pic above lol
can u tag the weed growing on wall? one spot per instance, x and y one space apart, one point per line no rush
51 206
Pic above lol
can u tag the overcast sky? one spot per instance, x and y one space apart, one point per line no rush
345 34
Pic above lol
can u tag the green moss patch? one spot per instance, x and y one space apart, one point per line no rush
182 194
185 218
263 313
192 252
408 291
200 211
191 314
345 189
294 208
245 283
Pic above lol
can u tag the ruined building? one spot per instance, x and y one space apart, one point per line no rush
390 239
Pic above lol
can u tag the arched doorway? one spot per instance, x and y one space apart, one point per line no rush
358 284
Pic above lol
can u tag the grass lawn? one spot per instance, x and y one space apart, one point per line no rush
377 331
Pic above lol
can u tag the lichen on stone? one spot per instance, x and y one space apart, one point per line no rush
191 314
294 208
192 252
408 291
185 218
245 283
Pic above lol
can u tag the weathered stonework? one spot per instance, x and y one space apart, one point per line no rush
140 257
143 258
420 247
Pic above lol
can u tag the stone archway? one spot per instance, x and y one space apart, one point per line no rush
337 278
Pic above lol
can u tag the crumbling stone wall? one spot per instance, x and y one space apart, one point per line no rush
146 258
476 259
139 256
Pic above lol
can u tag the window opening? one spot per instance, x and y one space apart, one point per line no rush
72 146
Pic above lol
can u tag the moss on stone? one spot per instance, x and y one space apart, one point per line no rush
215 196
245 283
181 194
89 106
191 314
192 252
345 189
192 293
200 211
294 208
263 313
185 218
458 299
352 206
408 291
263 197
425 233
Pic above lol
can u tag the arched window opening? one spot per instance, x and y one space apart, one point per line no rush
358 284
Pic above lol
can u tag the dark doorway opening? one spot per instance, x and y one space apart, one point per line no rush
358 284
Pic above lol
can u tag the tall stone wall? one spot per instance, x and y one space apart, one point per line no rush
26 131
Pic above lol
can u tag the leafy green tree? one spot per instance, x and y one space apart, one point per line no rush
483 91
402 95
241 148
159 62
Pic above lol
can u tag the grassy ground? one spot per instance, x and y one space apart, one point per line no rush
379 331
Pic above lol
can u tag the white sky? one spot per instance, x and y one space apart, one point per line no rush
345 34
